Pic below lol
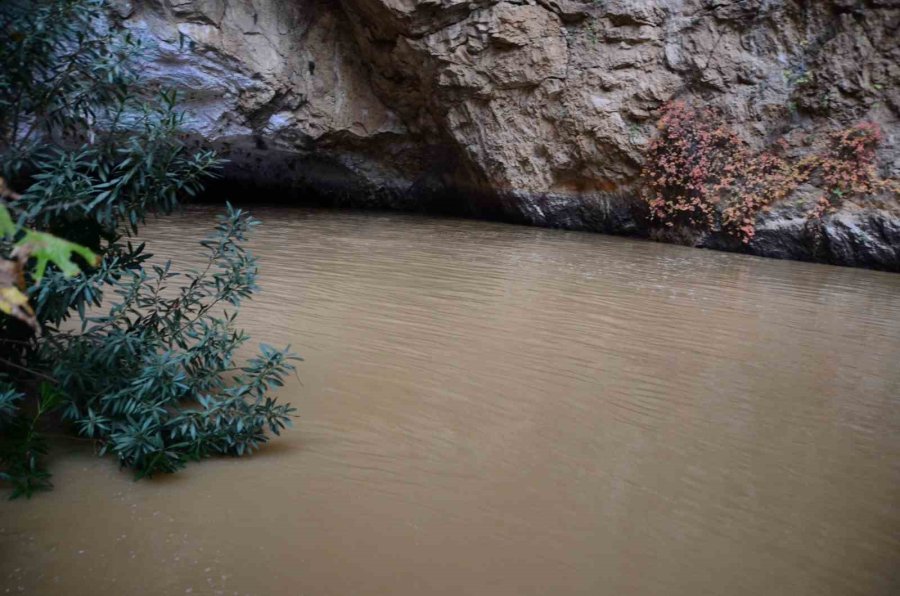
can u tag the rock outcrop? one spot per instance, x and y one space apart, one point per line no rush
535 111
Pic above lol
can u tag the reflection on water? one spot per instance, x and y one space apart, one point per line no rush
489 409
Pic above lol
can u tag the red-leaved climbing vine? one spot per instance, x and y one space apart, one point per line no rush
701 175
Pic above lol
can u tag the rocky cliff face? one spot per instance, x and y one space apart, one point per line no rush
536 111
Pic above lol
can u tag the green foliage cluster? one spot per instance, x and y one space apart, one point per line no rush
149 372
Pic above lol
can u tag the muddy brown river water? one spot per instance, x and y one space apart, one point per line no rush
497 410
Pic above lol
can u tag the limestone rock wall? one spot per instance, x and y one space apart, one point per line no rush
532 110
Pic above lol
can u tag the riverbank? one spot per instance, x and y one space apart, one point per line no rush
539 112
855 236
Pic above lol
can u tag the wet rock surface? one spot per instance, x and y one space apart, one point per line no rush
531 111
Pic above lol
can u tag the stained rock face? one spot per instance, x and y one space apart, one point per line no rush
536 111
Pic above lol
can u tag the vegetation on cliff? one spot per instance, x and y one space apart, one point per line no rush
138 358
700 175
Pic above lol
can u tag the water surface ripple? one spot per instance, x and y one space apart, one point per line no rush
500 410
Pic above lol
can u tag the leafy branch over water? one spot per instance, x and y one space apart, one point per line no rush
153 378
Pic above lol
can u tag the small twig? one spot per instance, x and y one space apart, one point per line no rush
28 370
6 192
15 341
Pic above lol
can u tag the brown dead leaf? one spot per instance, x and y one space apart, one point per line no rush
13 301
